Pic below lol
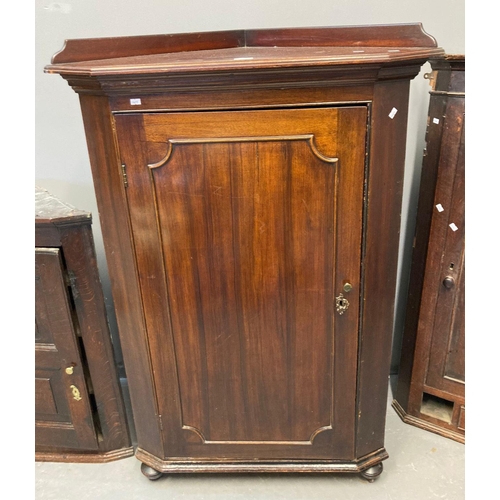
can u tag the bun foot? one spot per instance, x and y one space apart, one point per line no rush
373 472
150 473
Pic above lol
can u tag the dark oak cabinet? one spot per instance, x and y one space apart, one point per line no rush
431 386
63 417
79 411
249 186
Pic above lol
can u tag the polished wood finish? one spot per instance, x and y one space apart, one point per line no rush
273 235
94 49
79 411
61 419
241 187
118 241
431 388
384 193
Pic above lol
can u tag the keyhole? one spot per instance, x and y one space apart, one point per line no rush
341 304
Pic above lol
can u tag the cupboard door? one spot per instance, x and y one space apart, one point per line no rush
63 416
247 229
445 274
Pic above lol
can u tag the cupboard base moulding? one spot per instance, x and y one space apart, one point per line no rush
98 458
180 467
427 426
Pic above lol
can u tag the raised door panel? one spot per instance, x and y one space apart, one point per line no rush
63 416
454 367
246 228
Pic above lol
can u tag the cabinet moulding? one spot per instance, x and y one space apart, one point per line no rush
309 138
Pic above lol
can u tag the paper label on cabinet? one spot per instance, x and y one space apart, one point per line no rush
393 112
435 120
135 102
439 207
453 226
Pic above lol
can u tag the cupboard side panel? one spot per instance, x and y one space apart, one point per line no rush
111 200
81 262
383 217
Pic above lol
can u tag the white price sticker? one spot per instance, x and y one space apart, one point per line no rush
436 121
453 226
393 112
439 207
135 102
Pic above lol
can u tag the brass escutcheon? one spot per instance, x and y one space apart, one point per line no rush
341 304
75 392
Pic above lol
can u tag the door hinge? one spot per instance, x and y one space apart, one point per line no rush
70 279
124 175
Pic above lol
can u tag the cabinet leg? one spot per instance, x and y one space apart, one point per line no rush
150 473
373 472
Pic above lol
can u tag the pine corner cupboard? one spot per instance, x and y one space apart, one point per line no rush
249 187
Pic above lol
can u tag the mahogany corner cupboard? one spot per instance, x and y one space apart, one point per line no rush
249 186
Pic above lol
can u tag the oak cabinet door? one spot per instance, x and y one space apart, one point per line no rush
445 272
247 230
63 415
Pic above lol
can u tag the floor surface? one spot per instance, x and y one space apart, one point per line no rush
421 466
